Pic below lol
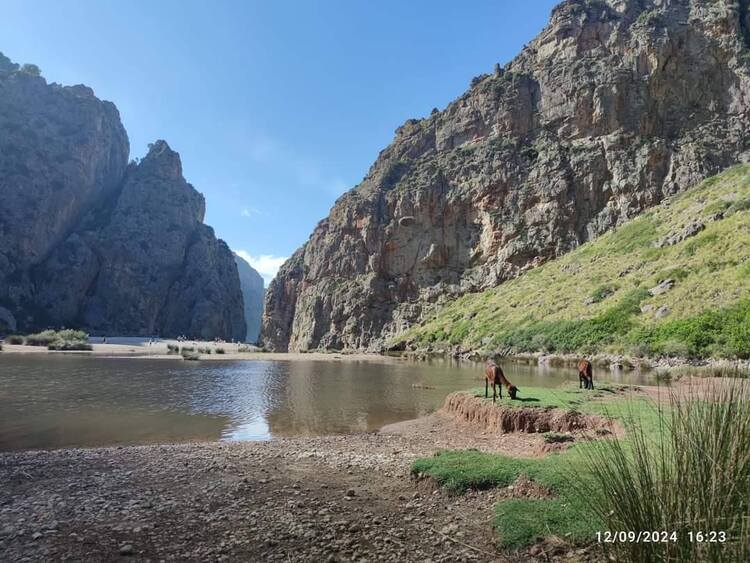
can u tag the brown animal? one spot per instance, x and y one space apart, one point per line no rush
494 375
585 375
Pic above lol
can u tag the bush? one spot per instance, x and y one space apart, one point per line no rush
44 338
725 332
602 292
190 355
675 349
14 339
220 351
690 474
32 69
73 335
173 349
68 345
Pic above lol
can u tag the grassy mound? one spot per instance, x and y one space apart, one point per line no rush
682 467
597 298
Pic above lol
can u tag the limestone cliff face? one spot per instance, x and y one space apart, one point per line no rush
88 240
615 105
253 292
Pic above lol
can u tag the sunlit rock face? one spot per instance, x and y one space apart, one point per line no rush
88 240
615 105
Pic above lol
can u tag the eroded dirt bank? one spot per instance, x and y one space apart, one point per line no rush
348 498
464 407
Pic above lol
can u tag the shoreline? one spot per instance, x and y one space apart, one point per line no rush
322 498
613 362
326 498
160 352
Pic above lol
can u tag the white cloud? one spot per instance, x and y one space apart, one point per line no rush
250 212
266 264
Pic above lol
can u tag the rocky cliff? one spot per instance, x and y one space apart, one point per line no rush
88 240
615 105
253 292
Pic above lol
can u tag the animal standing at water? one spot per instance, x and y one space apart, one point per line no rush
494 375
585 375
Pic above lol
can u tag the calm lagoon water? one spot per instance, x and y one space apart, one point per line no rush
53 401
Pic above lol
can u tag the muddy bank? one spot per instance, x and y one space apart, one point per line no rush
466 408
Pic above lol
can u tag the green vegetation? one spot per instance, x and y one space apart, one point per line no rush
30 68
689 475
683 466
52 337
220 351
66 339
568 397
173 349
44 338
705 314
69 345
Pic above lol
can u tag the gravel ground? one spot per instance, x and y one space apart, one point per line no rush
342 498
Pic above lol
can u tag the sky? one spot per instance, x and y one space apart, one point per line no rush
276 107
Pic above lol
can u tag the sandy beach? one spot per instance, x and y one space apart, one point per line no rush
232 351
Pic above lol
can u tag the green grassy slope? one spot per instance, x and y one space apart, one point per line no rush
521 521
596 299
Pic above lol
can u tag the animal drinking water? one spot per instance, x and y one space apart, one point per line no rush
585 375
494 376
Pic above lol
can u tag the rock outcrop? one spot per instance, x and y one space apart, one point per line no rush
253 292
88 240
615 105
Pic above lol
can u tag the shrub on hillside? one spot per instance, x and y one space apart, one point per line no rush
14 339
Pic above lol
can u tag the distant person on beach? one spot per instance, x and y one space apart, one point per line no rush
104 339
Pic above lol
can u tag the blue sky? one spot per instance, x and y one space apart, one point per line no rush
276 107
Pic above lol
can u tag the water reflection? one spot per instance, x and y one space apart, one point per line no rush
58 401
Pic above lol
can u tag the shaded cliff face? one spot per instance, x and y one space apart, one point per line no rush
253 292
612 107
90 241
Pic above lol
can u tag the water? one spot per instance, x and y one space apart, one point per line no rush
56 400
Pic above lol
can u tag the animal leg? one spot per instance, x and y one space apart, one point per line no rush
580 380
494 394
486 388
500 389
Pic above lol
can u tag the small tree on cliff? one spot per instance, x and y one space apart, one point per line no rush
31 69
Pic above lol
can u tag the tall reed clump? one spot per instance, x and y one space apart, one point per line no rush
689 475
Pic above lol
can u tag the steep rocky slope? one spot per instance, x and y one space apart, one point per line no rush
614 106
253 292
88 240
674 281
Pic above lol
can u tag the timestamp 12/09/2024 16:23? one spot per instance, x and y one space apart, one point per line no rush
656 536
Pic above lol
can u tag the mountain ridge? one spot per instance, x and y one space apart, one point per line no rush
614 106
90 240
